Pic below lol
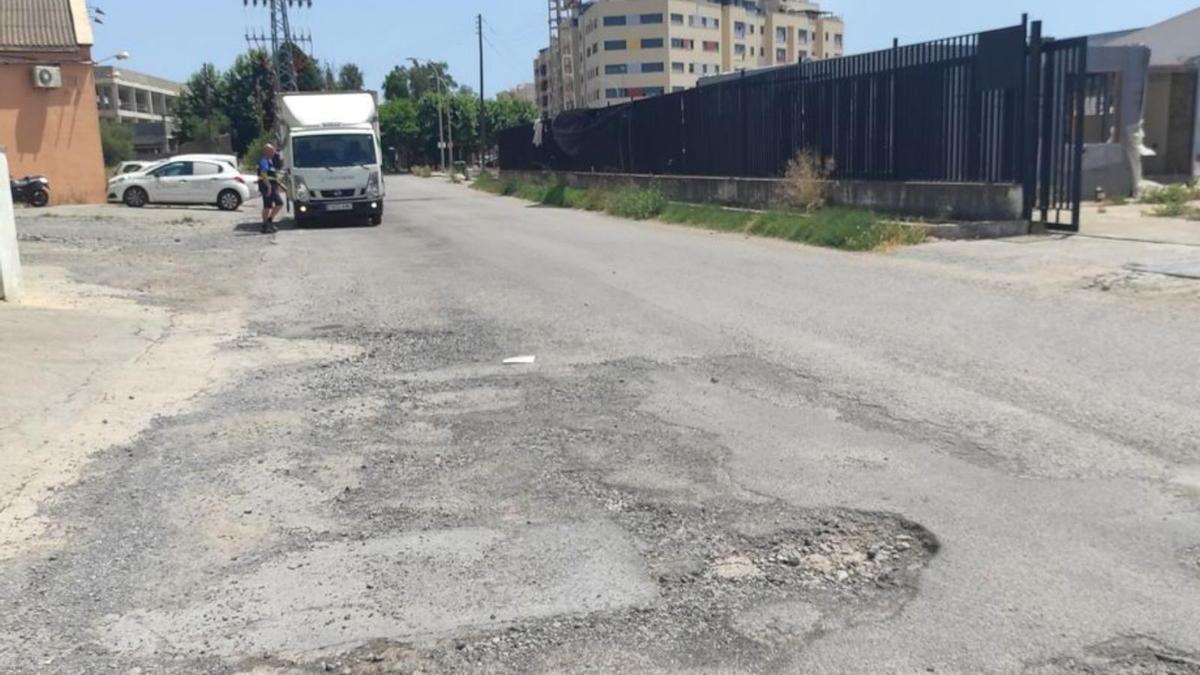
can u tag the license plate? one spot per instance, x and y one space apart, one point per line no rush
340 207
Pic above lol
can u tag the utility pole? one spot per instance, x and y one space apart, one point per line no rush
282 42
437 83
483 144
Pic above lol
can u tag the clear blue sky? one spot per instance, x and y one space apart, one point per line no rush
171 38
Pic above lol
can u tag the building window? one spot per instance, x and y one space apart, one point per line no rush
712 46
653 91
678 66
802 55
802 36
677 19
682 43
651 18
837 39
653 67
614 45
781 34
676 90
752 29
692 68
614 21
739 49
739 29
780 55
616 69
614 93
652 43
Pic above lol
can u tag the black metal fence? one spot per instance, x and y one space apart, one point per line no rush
952 110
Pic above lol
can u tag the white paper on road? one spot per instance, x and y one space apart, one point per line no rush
520 360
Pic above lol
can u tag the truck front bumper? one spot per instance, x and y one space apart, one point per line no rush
349 208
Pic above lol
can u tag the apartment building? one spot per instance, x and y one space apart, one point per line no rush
144 102
627 49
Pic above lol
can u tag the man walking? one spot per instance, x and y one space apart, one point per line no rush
268 187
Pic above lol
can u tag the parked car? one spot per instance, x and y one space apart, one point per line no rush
134 167
186 179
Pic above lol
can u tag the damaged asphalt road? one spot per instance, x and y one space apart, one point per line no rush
729 456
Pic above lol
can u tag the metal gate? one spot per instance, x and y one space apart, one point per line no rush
1059 153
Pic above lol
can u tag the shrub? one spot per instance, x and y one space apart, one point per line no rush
1171 194
637 203
806 183
254 152
422 171
116 142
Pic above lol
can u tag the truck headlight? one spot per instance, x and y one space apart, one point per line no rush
303 194
373 186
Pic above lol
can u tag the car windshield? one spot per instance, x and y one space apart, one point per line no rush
333 150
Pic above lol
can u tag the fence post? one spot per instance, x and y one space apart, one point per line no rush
745 126
1031 120
1080 111
10 259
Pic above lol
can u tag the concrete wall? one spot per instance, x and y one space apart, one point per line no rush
55 132
10 260
951 201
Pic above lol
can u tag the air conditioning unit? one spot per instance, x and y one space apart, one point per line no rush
47 77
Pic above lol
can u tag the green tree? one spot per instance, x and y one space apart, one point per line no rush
418 79
395 85
308 71
116 142
399 129
201 108
249 98
506 111
330 83
350 78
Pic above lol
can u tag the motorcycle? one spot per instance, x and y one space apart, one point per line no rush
31 190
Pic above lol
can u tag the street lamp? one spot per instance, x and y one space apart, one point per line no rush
119 56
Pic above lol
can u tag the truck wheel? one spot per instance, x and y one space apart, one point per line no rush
136 197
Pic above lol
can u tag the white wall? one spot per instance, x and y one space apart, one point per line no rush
10 260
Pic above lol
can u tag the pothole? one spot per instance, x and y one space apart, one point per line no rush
1137 655
737 585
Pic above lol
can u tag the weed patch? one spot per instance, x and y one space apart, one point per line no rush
637 203
842 228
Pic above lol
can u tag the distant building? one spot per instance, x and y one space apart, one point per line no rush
526 91
1172 95
144 102
612 51
49 122
541 82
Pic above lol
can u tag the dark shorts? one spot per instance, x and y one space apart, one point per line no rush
270 194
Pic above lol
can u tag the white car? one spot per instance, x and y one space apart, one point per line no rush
183 180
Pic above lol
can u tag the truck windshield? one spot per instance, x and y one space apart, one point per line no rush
333 150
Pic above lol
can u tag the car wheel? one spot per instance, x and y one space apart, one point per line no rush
376 221
136 197
229 200
39 198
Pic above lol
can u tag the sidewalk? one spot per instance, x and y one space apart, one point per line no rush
84 369
1131 222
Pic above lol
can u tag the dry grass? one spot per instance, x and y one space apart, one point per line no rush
806 182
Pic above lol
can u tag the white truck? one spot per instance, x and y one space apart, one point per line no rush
330 146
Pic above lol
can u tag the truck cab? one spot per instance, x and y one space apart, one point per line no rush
332 151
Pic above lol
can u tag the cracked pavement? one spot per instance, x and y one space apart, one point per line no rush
731 455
